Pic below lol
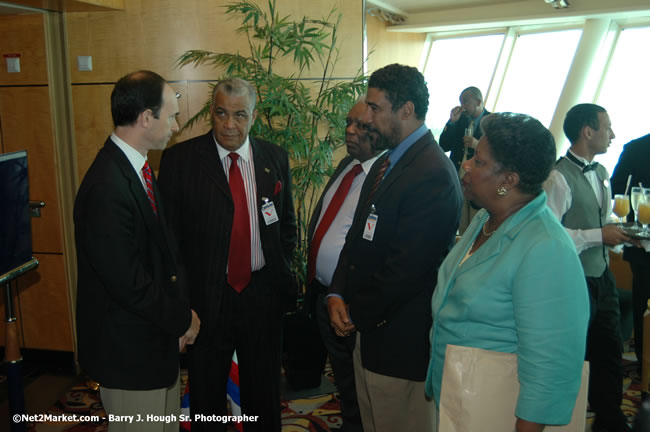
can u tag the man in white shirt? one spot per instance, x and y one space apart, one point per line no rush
579 194
327 230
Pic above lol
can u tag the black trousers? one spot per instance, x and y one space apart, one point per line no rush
604 352
340 353
640 296
249 322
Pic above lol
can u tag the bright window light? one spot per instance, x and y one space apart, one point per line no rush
453 65
537 72
625 92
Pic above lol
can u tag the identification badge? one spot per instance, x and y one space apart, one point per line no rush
268 211
371 224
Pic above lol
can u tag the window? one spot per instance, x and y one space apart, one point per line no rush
453 65
625 92
537 72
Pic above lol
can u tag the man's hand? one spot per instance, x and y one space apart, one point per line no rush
613 235
455 114
339 317
190 335
470 142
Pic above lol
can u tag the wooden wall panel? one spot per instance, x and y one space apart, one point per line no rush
152 34
24 35
71 5
391 47
92 121
27 125
44 299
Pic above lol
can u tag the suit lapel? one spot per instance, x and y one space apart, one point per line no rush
265 176
136 189
319 206
394 174
210 163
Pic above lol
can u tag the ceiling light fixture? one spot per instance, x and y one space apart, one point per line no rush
559 4
385 15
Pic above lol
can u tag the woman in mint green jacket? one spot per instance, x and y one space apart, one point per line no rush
513 283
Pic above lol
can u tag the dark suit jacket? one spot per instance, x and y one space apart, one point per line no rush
388 282
451 139
635 160
193 182
131 301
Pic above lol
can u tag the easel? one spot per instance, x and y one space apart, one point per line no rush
12 347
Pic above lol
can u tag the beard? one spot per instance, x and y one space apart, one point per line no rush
390 138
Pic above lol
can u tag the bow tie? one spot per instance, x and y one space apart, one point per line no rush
585 167
591 166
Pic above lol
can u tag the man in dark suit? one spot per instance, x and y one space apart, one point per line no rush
635 160
327 230
403 227
233 215
133 313
462 131
461 135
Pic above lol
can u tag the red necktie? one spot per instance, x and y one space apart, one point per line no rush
328 218
379 178
239 253
148 181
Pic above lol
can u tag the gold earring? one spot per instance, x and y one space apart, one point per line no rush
502 191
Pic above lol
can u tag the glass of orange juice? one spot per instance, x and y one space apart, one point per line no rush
621 206
644 213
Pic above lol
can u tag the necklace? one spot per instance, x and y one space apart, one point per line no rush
485 233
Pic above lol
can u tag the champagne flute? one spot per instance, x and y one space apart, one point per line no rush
644 213
621 207
636 195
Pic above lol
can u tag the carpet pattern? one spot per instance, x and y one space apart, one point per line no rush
316 414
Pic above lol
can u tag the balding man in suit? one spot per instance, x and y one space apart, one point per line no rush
232 212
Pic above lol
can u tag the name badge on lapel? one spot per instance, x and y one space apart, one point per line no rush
371 224
268 212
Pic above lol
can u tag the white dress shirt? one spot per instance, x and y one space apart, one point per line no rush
135 157
334 238
559 200
247 168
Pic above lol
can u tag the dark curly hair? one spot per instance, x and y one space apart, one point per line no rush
520 143
579 116
402 84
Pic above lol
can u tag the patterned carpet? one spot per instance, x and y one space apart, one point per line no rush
315 414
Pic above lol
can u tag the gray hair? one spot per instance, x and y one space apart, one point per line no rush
236 87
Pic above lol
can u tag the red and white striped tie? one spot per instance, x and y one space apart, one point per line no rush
148 181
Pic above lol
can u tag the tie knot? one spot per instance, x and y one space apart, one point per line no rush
146 168
589 167
233 156
357 169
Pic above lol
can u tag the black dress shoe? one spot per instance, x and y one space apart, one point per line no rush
598 427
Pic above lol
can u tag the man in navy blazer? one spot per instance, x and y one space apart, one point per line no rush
197 178
133 311
404 225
